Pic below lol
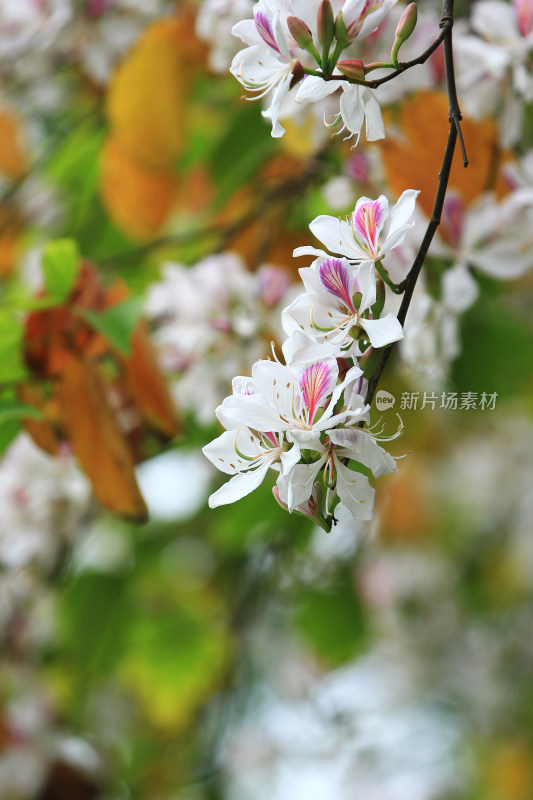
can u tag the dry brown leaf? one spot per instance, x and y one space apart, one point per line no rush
13 156
43 432
97 441
148 386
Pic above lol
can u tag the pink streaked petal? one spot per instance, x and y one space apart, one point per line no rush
453 217
375 14
335 279
316 384
524 15
368 220
265 31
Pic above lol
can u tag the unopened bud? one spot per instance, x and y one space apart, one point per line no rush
325 23
353 68
300 32
341 32
275 492
297 74
404 29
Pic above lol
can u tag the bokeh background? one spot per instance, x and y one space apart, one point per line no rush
154 649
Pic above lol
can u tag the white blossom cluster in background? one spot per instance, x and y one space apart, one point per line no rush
211 321
43 500
38 35
490 237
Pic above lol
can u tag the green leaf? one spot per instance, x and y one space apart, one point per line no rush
333 621
12 367
8 432
61 260
117 323
14 410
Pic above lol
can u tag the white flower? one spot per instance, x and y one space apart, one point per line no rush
285 399
271 63
267 64
271 416
358 105
350 485
291 421
495 237
214 23
494 67
362 236
337 304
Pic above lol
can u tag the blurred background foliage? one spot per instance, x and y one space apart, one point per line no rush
156 650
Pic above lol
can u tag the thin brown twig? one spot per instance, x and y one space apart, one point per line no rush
454 134
446 23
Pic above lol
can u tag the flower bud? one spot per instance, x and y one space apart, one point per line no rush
300 32
353 68
341 32
325 23
297 74
405 28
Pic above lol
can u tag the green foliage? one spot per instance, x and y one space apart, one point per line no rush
332 620
12 367
117 323
61 261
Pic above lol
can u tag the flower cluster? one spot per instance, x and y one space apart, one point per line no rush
308 419
286 42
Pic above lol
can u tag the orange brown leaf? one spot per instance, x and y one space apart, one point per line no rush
413 159
137 197
98 443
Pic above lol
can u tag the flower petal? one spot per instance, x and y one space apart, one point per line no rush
355 491
382 331
239 486
300 483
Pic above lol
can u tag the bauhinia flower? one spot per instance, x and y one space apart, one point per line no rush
358 105
494 236
337 307
371 231
286 34
300 423
262 414
267 64
284 399
341 455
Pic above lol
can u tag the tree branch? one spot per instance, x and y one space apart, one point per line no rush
454 134
446 24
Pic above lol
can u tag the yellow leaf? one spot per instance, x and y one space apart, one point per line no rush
413 160
138 198
146 99
13 157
